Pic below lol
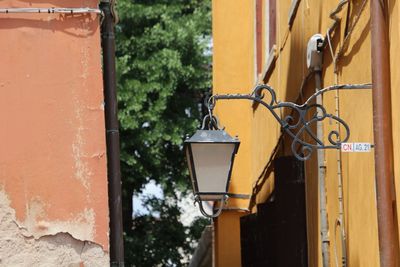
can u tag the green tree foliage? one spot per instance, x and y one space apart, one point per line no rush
163 73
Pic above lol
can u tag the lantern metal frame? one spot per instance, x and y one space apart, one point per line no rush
210 125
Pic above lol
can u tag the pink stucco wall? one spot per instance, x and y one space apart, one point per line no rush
52 141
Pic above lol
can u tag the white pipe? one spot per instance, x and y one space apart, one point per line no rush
321 178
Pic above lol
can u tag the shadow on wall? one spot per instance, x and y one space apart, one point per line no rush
297 73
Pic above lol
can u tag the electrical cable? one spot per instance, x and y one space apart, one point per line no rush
350 31
338 222
333 15
339 170
335 59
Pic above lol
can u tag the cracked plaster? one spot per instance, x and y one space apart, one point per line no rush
19 247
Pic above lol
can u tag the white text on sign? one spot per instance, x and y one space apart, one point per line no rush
356 147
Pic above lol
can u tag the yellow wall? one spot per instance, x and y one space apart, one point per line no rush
227 239
233 70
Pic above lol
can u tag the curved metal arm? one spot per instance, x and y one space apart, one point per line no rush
339 87
219 210
299 124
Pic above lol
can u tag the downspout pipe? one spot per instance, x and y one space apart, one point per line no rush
314 64
112 136
383 138
322 178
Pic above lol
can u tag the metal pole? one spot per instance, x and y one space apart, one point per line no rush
321 178
383 132
112 137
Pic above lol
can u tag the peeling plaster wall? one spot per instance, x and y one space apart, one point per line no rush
52 138
18 247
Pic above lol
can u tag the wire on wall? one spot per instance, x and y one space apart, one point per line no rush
340 220
50 10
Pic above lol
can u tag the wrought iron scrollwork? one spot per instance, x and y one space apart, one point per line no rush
299 122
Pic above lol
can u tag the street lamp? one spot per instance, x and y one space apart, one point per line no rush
210 154
210 151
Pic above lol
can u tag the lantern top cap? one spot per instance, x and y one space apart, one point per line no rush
211 136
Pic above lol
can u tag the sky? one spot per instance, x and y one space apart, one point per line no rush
190 211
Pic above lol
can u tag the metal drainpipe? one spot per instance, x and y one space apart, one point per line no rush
314 63
383 138
321 179
112 136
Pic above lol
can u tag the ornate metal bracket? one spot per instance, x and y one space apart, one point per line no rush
299 122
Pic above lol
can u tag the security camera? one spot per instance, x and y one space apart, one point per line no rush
314 52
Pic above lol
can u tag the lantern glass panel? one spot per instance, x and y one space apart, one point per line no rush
212 163
190 161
